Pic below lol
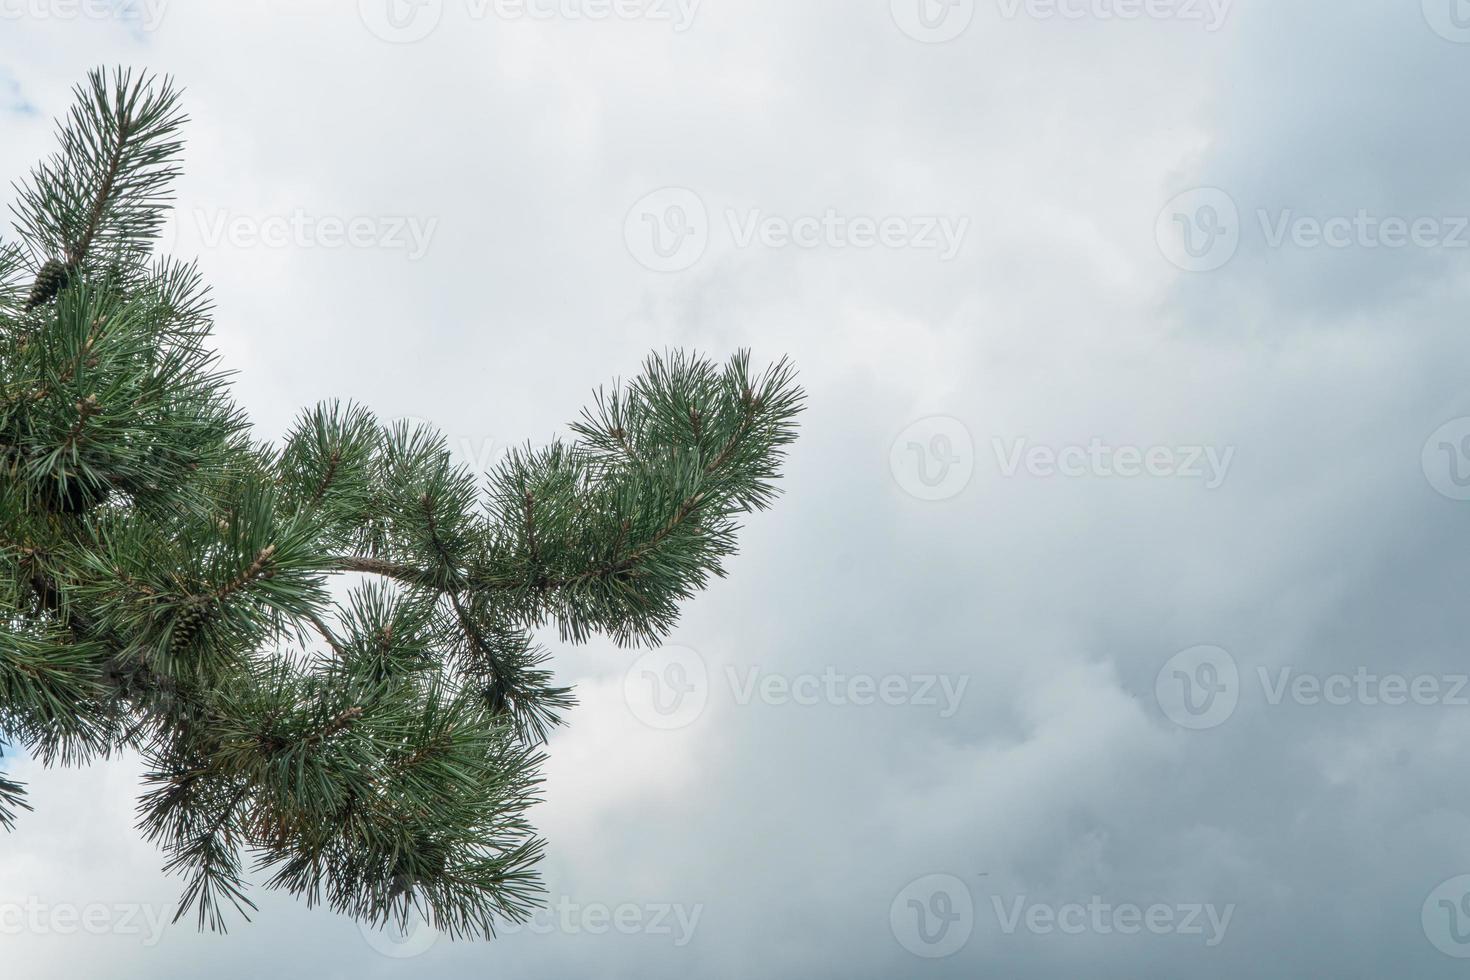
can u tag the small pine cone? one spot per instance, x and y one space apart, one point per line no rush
187 627
52 279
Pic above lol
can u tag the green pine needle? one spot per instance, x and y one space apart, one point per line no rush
158 567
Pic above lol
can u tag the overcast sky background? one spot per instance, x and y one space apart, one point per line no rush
582 189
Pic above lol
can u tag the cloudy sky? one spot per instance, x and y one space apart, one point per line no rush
1112 622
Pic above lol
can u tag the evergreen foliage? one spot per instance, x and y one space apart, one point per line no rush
323 650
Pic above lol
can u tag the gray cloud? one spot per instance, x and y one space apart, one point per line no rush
794 829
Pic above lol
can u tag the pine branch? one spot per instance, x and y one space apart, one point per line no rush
12 798
157 562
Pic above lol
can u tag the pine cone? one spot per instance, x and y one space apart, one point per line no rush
52 279
187 627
